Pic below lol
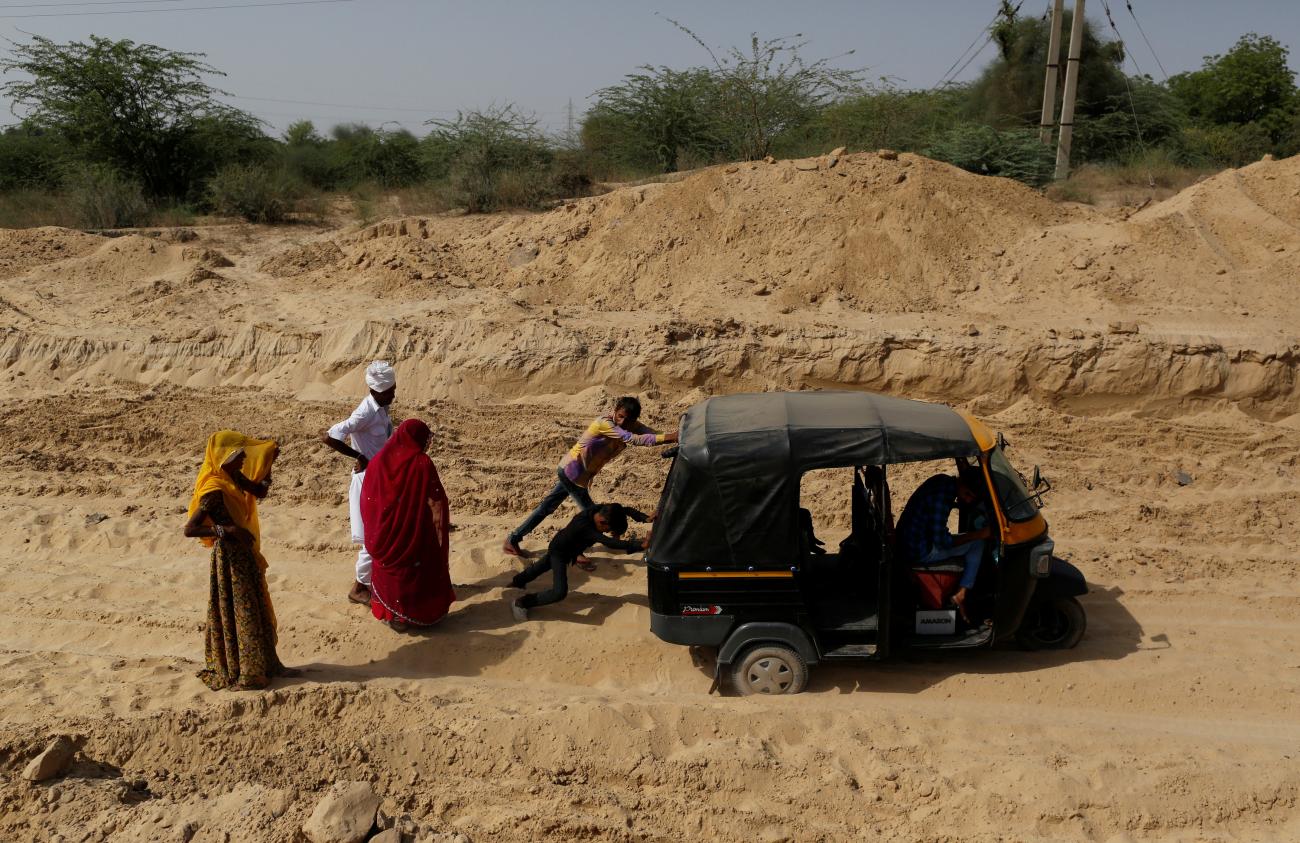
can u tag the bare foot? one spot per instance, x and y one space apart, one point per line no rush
359 594
512 548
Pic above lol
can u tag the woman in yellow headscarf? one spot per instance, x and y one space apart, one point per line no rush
240 647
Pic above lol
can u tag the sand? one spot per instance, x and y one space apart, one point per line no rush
1116 349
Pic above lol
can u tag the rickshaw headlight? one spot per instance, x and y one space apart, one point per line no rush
1040 559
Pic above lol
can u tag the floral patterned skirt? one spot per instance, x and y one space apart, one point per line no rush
239 650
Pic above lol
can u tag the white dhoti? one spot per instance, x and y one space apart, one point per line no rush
358 529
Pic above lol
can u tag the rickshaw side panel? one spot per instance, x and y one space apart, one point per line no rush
702 608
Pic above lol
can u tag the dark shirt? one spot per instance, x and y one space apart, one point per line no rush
581 533
923 526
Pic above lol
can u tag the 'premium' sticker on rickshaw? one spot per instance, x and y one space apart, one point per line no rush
701 610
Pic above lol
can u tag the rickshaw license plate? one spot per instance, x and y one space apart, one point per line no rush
936 622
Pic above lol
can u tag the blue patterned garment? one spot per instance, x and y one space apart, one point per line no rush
923 526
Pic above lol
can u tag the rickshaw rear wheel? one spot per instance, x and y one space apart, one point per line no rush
1056 624
769 669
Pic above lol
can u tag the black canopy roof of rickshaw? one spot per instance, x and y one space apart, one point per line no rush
732 495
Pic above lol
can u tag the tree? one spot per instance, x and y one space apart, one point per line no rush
655 118
136 107
493 158
1009 93
770 89
1251 83
387 157
884 115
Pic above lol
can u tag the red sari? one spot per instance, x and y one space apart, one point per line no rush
410 582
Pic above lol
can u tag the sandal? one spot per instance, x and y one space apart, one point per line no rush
585 564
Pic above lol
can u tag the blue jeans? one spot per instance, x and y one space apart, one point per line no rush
564 487
970 553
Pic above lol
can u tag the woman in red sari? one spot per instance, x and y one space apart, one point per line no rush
406 516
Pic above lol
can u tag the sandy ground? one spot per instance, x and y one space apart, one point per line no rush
1115 351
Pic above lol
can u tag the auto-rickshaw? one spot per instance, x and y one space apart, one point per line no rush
732 565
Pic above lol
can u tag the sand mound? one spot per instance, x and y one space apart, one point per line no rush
25 248
400 258
1239 219
875 233
302 259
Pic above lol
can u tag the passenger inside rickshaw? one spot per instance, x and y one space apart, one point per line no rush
851 575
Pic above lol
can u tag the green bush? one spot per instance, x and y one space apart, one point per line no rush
101 197
1232 146
883 117
386 158
258 194
1015 154
495 159
30 158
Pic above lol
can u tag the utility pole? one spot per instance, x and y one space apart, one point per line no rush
1053 64
569 137
1071 88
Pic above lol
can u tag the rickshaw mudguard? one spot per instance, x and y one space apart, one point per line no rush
1062 580
759 632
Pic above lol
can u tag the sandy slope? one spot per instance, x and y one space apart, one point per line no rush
1110 350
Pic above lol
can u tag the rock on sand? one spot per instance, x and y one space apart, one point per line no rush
52 761
345 815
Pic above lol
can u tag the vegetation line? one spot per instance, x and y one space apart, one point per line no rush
115 133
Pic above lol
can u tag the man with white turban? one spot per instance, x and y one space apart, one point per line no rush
369 428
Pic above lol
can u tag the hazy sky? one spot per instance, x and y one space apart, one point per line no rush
406 60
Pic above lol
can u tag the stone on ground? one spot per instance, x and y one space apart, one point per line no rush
345 815
52 761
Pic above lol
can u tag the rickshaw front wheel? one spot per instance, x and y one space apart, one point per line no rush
1056 624
769 669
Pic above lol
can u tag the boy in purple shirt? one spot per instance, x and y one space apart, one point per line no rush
604 439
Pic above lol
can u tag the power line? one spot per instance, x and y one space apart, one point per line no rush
87 3
943 80
1159 63
1128 86
162 11
409 109
974 55
347 105
950 76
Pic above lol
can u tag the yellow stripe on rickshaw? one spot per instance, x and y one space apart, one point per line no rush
714 575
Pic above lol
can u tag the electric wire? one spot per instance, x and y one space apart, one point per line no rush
949 77
406 109
945 79
86 3
973 56
1128 86
179 9
1154 55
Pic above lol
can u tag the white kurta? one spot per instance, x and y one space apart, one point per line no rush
369 428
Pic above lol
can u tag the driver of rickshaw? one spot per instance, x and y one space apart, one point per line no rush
923 536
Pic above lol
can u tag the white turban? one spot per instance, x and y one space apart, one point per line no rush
380 376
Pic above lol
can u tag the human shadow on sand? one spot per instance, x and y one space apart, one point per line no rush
479 632
1113 633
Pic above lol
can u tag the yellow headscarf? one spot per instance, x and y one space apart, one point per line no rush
258 456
